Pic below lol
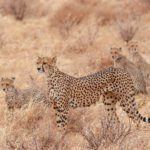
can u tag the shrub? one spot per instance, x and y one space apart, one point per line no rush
84 41
128 29
68 16
105 15
15 7
106 135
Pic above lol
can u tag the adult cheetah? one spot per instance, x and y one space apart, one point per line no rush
65 91
121 61
137 59
16 98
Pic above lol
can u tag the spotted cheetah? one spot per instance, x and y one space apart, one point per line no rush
65 91
121 61
137 59
16 98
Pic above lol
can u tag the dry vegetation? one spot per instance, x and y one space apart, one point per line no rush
80 33
128 29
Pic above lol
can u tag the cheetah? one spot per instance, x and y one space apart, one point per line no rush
16 98
121 61
66 92
137 59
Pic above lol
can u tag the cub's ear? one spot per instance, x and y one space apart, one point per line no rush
54 60
39 57
13 78
120 49
2 79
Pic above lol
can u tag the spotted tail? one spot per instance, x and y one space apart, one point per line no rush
129 106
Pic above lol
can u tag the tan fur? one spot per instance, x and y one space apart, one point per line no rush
137 59
120 61
16 98
65 91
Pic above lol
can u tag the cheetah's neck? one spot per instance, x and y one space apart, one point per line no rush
13 92
55 73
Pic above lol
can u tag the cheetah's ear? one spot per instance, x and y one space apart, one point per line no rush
120 49
13 78
2 79
39 57
54 60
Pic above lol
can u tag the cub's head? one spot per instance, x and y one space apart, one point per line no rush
46 64
115 53
132 47
7 84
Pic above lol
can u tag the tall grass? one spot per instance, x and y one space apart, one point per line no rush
128 29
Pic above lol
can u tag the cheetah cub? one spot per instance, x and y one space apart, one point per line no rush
120 61
16 98
137 59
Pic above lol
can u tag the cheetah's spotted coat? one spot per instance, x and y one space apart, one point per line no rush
16 98
114 84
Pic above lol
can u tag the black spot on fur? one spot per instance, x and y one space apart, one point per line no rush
59 121
144 119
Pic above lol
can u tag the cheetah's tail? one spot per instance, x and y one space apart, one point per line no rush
133 110
145 119
138 114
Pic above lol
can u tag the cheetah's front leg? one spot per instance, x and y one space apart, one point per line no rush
62 109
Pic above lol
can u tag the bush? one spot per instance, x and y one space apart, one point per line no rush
128 29
15 7
69 15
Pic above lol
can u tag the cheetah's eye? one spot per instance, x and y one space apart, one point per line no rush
44 63
7 84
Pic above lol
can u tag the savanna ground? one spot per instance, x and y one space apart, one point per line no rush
80 33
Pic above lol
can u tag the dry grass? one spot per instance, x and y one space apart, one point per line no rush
70 15
21 9
86 31
104 135
16 8
30 129
128 29
105 14
84 41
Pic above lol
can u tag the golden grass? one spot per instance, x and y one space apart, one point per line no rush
86 31
128 29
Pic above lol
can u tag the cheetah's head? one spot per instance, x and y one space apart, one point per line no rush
132 47
115 53
46 64
7 84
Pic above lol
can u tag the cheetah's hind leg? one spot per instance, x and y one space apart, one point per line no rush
110 101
